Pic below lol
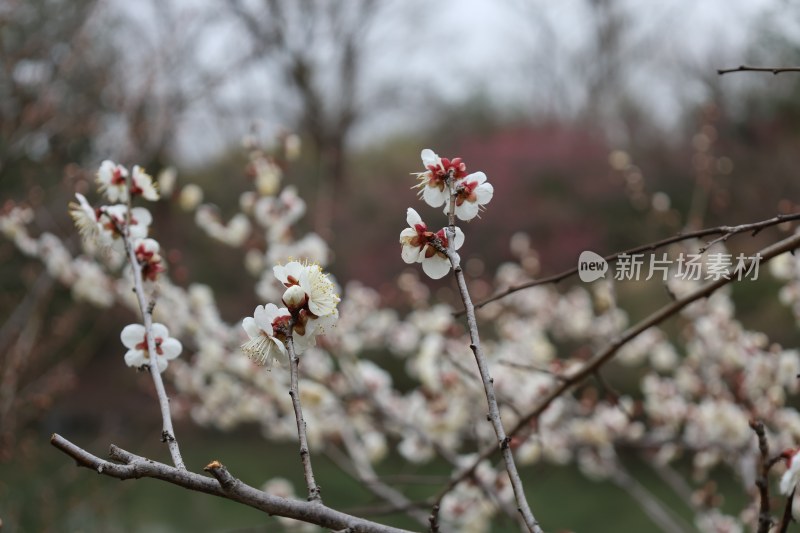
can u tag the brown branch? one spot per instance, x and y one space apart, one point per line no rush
787 517
745 68
434 519
762 482
605 355
488 383
726 231
224 485
305 455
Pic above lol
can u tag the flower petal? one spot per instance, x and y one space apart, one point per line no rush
433 196
480 177
171 347
459 238
135 358
429 158
160 330
484 193
413 218
411 254
132 335
467 210
262 320
436 266
250 327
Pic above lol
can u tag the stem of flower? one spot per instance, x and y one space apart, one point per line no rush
314 491
488 383
167 433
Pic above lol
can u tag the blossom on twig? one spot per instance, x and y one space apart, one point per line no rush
134 338
267 329
311 298
147 253
471 194
420 246
113 181
433 181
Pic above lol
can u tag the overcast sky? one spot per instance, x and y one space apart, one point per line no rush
521 54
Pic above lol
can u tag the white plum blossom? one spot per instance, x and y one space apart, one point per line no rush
233 233
85 218
113 217
267 329
134 338
113 181
471 194
319 290
417 246
433 181
142 184
147 253
311 298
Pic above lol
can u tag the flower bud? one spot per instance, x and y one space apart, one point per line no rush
294 297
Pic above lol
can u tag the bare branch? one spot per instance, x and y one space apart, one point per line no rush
223 485
745 68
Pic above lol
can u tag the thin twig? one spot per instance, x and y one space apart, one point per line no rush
658 513
224 485
762 482
305 455
488 383
787 517
433 519
605 355
726 231
362 470
745 68
387 414
395 501
146 308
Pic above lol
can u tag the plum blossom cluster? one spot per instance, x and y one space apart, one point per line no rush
702 381
444 182
310 299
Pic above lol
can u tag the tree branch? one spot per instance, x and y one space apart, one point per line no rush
488 383
224 485
305 454
725 232
605 355
167 432
745 68
762 482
